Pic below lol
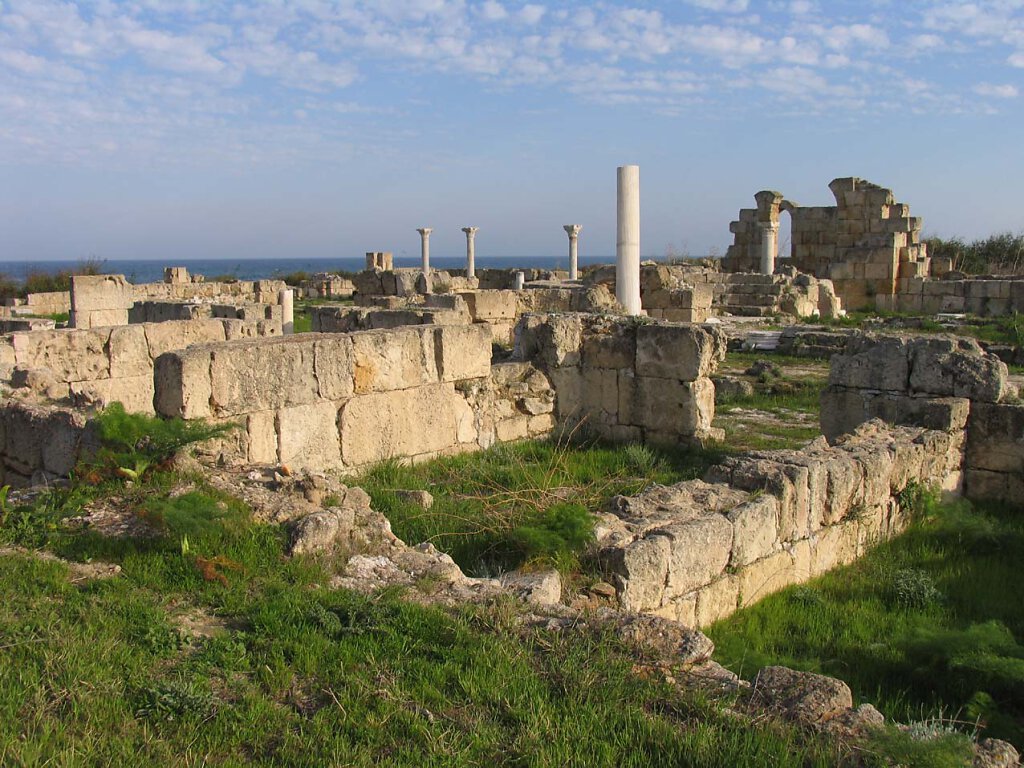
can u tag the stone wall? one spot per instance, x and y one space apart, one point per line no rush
350 400
235 292
984 297
994 464
47 303
97 366
698 550
693 293
99 301
332 319
941 382
865 244
628 381
39 443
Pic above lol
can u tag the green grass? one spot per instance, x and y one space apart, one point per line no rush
103 672
519 502
927 625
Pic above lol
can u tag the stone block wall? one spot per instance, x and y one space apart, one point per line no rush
984 297
994 463
39 443
327 286
350 400
865 244
236 292
99 301
627 380
97 366
330 319
939 382
47 303
696 551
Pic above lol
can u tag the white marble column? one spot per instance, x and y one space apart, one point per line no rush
470 250
520 281
769 244
573 231
627 244
425 248
286 298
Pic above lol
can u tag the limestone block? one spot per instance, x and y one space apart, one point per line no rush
261 433
392 360
515 428
601 391
768 575
614 349
666 405
957 367
181 334
182 384
700 552
542 424
406 422
640 571
101 292
135 393
551 340
261 375
488 305
678 352
72 355
996 438
334 366
717 600
755 530
569 387
835 545
308 436
466 431
872 362
129 353
462 351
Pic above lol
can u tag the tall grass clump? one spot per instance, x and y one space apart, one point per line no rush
1001 253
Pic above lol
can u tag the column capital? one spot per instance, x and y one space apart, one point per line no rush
572 230
772 225
470 230
425 231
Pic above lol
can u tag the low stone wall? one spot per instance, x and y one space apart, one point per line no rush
41 443
97 366
100 301
12 324
47 303
350 400
409 282
994 464
984 297
628 380
503 308
236 292
165 311
941 382
698 550
347 319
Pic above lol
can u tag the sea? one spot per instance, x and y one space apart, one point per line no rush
150 270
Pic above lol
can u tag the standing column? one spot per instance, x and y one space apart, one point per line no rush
573 231
286 298
769 237
627 245
425 248
520 281
470 250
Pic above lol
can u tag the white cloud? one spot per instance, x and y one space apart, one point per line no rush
531 14
1016 59
721 6
1004 91
493 11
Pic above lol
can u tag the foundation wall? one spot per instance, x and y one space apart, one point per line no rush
627 381
97 366
697 551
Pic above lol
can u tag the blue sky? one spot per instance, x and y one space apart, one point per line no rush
316 128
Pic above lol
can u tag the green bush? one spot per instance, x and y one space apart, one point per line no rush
153 438
175 699
563 529
915 589
1003 252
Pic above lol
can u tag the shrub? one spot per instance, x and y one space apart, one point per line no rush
154 438
563 529
914 588
175 699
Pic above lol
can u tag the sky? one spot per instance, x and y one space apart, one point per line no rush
151 129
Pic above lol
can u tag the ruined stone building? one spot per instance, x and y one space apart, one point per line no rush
866 244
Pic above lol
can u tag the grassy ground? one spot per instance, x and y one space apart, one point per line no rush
213 648
928 625
782 412
496 510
